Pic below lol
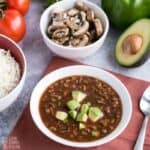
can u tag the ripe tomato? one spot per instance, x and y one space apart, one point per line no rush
21 5
12 24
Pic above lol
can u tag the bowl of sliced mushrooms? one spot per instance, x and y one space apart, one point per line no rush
74 29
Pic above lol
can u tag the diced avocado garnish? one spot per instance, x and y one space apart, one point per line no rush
95 133
78 95
73 104
82 117
81 126
73 113
84 108
95 114
60 115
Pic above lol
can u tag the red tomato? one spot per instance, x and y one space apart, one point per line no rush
12 24
20 5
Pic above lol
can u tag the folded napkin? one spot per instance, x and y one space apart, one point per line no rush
26 136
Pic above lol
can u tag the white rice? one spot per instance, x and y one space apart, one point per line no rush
9 73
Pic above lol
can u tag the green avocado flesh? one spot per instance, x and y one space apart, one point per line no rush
142 28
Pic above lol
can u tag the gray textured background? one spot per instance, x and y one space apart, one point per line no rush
38 57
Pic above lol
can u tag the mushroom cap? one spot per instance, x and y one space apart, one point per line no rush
90 15
55 25
80 41
60 33
81 6
82 30
72 12
61 41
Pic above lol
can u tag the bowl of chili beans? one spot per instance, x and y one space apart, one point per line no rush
81 106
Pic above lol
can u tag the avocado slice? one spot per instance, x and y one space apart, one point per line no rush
78 95
82 117
73 104
141 30
95 114
60 115
95 133
81 126
73 113
84 108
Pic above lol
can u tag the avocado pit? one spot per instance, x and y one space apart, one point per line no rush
132 44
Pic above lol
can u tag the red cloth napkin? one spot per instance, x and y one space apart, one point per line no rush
26 136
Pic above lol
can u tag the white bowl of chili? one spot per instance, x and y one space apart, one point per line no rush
93 78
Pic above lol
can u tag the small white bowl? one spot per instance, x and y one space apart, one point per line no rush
8 44
81 70
73 52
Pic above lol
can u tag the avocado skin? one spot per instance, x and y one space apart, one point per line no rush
144 26
138 63
123 13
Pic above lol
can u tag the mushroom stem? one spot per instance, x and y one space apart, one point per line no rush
81 6
98 27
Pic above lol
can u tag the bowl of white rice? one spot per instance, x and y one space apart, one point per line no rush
12 71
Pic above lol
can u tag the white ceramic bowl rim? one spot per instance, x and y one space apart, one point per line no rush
63 72
75 48
23 71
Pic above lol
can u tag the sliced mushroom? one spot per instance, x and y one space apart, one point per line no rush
82 30
60 33
91 35
79 41
58 24
57 14
62 41
90 15
81 6
83 16
74 41
72 24
55 25
76 19
98 27
65 16
73 12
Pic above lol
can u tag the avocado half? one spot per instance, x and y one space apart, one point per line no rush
142 28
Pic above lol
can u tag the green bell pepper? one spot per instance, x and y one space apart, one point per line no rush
50 2
123 13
